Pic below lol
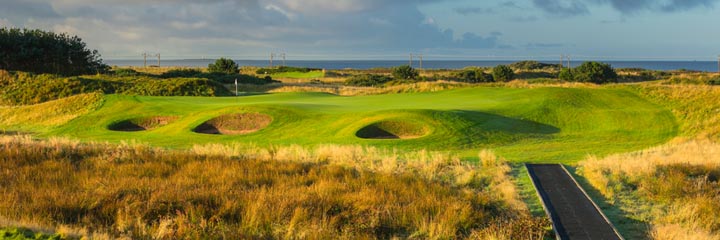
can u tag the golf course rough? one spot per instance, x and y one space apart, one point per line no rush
547 124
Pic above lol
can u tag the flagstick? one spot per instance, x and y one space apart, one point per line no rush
236 88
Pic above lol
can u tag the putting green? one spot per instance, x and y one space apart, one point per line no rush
521 124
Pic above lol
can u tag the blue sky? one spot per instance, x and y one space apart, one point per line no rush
382 29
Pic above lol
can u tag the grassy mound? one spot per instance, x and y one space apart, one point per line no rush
235 124
392 129
47 115
141 124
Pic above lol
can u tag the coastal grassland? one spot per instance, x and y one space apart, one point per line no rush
673 187
100 191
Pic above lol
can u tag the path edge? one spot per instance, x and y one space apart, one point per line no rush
544 204
591 201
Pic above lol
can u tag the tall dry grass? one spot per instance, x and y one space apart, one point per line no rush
674 187
216 191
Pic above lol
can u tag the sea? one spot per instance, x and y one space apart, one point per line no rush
704 66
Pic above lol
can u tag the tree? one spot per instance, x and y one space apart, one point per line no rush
41 51
566 75
502 73
476 75
405 72
223 65
594 72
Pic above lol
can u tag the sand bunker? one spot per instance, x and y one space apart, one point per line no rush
141 124
234 124
392 130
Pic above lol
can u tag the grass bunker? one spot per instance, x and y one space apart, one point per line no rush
141 124
392 129
235 124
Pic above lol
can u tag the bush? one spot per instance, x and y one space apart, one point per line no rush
39 51
532 65
474 76
502 73
181 73
566 75
124 72
594 72
283 69
405 72
223 65
367 80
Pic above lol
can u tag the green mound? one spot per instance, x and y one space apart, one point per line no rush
392 130
235 124
141 124
521 124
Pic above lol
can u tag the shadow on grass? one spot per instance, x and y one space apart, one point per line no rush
498 123
628 228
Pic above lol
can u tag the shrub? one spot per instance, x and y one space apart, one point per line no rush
594 72
367 80
474 76
405 72
502 73
283 69
123 72
181 73
532 65
223 65
566 74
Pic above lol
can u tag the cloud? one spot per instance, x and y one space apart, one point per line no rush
568 8
473 10
250 28
563 8
629 7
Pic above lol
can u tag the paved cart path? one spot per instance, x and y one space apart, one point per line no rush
573 214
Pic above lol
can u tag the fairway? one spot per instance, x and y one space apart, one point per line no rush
523 125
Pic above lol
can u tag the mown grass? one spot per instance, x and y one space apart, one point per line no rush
300 75
546 124
234 191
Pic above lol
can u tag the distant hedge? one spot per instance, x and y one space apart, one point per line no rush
27 88
593 72
283 69
40 51
367 80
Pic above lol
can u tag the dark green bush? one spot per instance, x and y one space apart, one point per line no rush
594 72
405 72
223 65
123 72
474 76
533 65
367 80
566 75
175 73
283 69
502 73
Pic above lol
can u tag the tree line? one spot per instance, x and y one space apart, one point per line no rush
38 51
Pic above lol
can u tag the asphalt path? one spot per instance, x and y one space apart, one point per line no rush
573 214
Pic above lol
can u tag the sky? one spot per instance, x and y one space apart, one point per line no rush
382 29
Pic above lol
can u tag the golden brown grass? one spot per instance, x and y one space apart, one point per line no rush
674 187
218 191
49 114
697 107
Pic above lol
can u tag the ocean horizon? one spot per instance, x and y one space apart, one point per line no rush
665 65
